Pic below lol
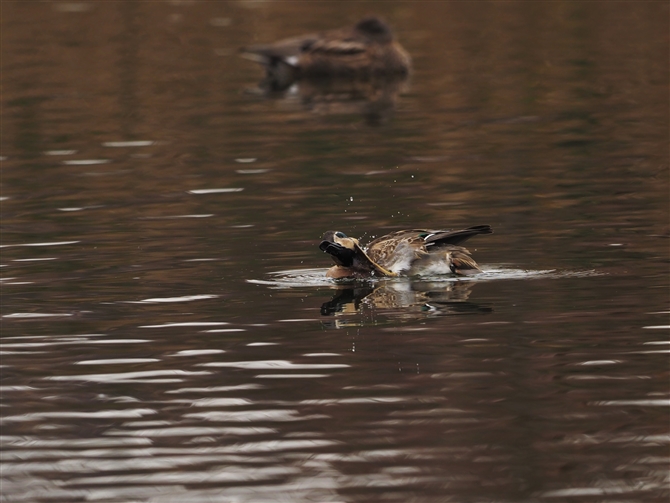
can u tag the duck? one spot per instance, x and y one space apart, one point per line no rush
366 50
402 253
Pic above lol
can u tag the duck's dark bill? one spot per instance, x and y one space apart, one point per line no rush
343 256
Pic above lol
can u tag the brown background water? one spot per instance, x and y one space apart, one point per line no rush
163 344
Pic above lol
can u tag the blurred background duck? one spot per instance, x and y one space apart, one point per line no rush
408 252
367 50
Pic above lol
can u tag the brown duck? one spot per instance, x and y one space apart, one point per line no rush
409 252
367 50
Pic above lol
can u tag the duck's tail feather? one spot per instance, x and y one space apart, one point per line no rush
460 262
281 65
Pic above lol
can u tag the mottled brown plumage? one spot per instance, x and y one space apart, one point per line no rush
416 251
364 51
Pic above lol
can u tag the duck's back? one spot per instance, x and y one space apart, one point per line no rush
350 53
397 251
400 250
367 49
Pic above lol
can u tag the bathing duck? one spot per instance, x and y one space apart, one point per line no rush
407 252
364 51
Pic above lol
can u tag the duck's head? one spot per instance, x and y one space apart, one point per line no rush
341 247
375 29
350 258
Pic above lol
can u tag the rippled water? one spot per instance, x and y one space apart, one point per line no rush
168 332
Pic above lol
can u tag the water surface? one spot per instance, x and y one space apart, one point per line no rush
168 333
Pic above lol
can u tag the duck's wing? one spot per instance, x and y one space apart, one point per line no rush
372 263
322 55
427 237
336 44
442 238
330 43
336 54
396 237
286 51
416 238
398 249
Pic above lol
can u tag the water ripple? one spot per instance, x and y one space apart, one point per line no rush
70 443
77 342
185 298
192 431
198 352
101 414
53 243
117 361
249 416
128 376
216 389
216 191
659 402
135 143
188 324
294 278
275 364
228 474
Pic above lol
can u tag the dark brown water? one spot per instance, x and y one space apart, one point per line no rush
168 334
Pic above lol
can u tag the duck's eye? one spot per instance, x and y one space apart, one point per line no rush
340 235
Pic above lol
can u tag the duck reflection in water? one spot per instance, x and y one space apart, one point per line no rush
399 300
361 69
